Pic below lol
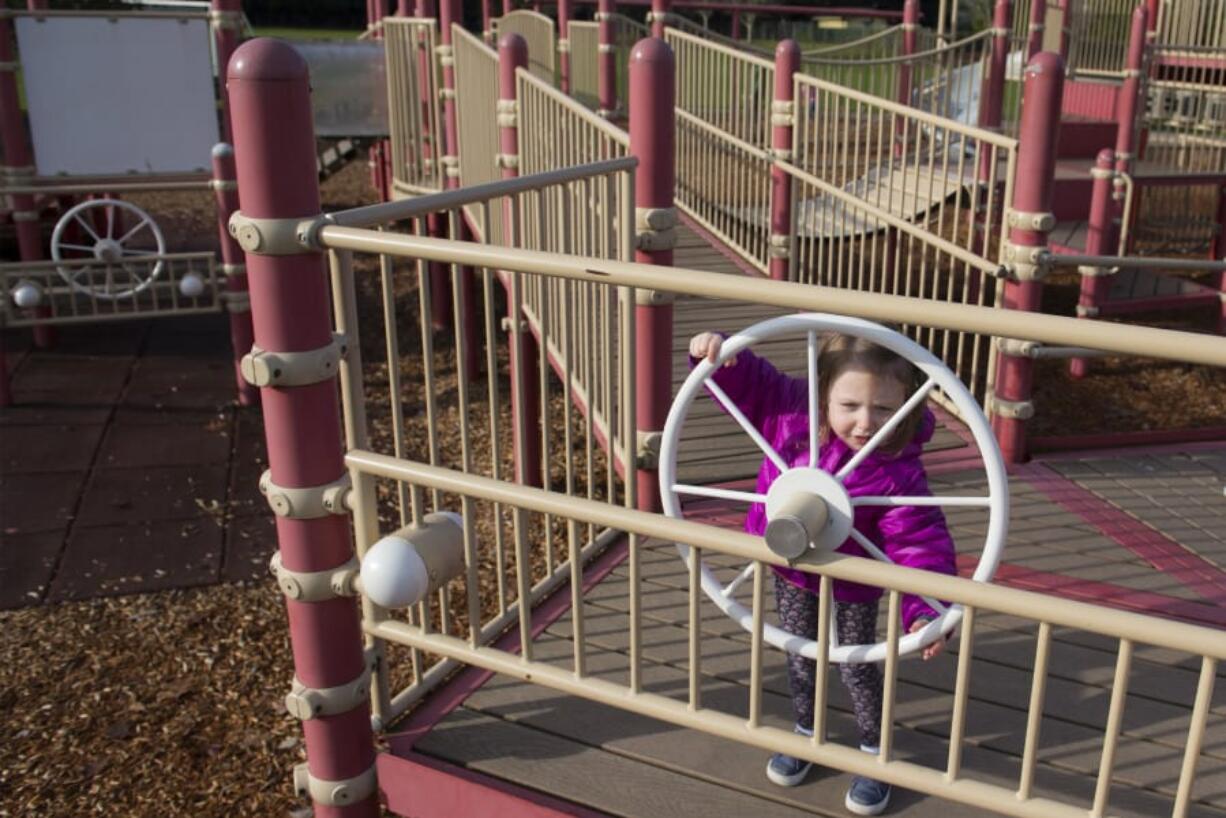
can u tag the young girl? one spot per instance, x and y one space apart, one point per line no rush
860 387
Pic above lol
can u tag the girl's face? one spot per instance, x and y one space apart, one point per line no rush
860 403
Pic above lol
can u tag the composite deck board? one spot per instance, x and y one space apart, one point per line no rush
996 720
1000 691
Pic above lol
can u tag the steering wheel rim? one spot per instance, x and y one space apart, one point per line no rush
109 250
813 325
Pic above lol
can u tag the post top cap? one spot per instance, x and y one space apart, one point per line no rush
514 45
651 50
266 59
787 49
222 149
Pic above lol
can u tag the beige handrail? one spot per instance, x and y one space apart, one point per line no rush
1048 329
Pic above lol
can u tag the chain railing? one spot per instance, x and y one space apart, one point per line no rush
887 198
413 84
945 81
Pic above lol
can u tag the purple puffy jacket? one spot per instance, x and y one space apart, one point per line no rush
914 536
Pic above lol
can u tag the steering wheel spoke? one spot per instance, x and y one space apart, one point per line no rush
719 494
748 426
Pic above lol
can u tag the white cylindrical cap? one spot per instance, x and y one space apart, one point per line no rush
394 574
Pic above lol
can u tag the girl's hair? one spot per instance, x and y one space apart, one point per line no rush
842 352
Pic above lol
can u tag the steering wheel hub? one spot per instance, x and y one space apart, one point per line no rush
806 508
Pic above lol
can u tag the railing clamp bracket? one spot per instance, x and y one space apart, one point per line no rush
334 793
261 368
315 586
305 703
275 237
508 113
1038 222
647 448
1011 409
307 502
655 228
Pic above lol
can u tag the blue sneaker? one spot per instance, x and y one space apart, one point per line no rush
787 771
867 797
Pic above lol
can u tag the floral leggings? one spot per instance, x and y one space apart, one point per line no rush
857 624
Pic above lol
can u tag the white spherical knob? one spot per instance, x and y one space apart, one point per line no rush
394 574
191 285
27 294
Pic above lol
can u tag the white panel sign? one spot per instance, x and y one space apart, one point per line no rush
118 95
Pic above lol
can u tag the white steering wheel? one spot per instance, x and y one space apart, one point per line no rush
121 272
797 521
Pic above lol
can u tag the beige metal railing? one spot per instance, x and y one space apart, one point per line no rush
588 330
1193 23
723 107
511 530
82 290
890 199
584 62
538 30
476 80
414 104
591 218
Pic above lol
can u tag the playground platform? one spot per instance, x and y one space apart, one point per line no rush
127 468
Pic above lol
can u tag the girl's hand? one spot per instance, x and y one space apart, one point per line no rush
936 648
707 345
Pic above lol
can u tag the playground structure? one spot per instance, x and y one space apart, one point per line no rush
560 201
570 216
107 258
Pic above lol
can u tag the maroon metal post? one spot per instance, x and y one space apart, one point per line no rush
508 6
525 354
910 29
1152 7
487 32
238 302
227 22
274 149
992 97
436 224
606 61
20 163
787 63
1066 25
736 24
1219 254
1130 93
1042 92
1037 25
449 13
1100 241
564 46
659 17
653 140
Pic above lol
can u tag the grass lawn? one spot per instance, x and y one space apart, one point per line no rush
301 34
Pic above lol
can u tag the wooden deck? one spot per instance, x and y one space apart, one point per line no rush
1143 532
